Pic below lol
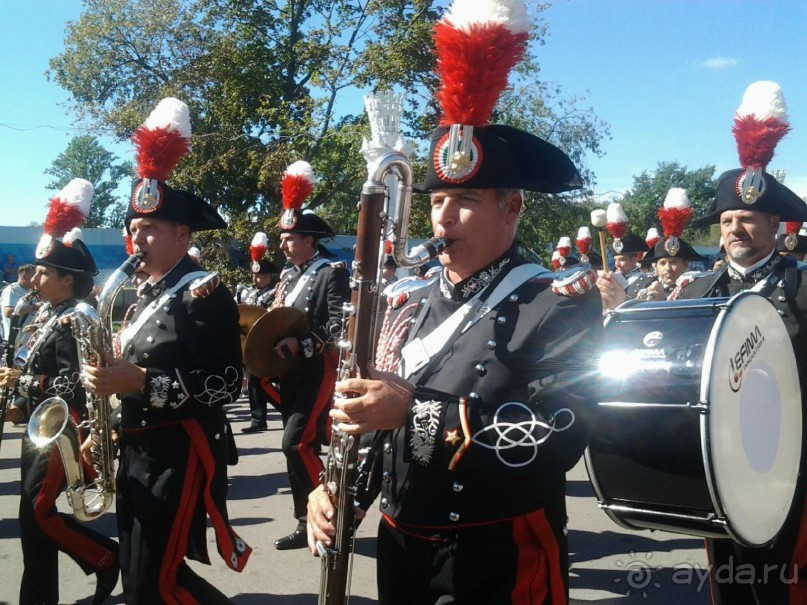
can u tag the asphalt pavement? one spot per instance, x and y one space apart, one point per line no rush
609 565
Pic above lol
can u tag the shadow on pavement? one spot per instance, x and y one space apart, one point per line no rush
250 487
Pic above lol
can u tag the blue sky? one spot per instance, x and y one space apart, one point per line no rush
667 75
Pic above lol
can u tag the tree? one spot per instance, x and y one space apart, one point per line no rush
642 201
86 158
267 83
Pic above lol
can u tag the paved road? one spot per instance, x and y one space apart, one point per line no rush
609 565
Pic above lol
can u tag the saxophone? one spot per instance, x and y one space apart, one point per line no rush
383 214
51 423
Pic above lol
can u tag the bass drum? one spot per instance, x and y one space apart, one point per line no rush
700 425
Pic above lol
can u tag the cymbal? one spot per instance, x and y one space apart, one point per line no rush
260 356
247 316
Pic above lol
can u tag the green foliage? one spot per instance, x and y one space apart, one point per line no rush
271 82
642 201
85 158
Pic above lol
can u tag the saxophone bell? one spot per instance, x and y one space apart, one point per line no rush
52 426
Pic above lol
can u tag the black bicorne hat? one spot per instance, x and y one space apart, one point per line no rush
665 247
632 244
773 198
308 223
499 157
787 242
264 266
73 258
174 205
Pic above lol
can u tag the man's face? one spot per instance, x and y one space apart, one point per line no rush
164 243
748 235
296 247
478 228
669 269
625 263
261 280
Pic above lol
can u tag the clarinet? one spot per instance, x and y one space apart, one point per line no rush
10 351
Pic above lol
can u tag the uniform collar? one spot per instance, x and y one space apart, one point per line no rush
468 287
302 268
152 290
755 272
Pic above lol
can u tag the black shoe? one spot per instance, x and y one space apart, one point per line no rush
253 429
107 580
298 539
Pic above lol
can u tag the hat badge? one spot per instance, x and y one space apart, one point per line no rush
148 196
672 246
750 186
791 241
288 219
458 155
45 247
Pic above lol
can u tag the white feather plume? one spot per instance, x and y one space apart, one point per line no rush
564 242
764 99
72 235
677 198
652 233
78 192
584 233
464 14
260 240
171 114
302 169
615 213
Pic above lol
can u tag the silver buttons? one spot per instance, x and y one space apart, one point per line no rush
491 344
457 487
384 503
501 320
480 369
454 517
513 298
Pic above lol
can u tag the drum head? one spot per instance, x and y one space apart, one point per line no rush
753 428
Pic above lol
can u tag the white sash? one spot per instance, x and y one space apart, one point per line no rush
418 352
128 333
309 273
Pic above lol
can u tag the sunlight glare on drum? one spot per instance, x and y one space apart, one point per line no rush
619 364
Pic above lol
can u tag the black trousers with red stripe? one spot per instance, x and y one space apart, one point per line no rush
44 531
522 561
161 520
261 394
306 394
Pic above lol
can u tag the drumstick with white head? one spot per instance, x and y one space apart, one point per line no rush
598 219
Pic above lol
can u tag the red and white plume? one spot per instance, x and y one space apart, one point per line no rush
652 237
616 222
71 236
163 139
555 259
477 43
583 242
760 124
127 242
792 232
674 216
195 253
69 208
564 248
296 185
675 213
257 248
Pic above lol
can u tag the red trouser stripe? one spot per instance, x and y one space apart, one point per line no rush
172 593
225 536
270 390
52 524
539 574
313 465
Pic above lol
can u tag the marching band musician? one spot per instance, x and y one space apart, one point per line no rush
626 261
64 274
260 390
749 206
173 383
318 288
670 257
487 414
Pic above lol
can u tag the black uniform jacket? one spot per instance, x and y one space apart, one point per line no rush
53 369
191 349
328 288
262 298
505 410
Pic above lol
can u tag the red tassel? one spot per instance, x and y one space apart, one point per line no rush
256 252
62 217
473 67
757 139
158 151
673 220
583 245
